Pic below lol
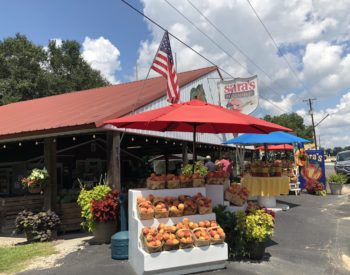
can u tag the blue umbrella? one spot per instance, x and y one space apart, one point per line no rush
272 138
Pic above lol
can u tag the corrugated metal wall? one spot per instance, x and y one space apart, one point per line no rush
209 83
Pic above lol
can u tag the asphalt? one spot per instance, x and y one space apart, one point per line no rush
310 238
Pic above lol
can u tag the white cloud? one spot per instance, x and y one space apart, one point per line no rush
102 55
313 35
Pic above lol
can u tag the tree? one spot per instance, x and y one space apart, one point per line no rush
293 121
29 71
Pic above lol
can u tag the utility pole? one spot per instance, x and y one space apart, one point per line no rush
311 112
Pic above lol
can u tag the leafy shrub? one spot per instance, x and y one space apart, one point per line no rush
39 226
106 209
84 200
337 178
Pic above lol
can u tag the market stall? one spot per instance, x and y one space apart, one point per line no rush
268 180
197 117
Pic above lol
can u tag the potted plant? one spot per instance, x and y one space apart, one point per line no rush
336 181
99 207
105 216
36 181
257 225
38 227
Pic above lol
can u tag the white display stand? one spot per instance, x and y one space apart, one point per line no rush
216 193
181 261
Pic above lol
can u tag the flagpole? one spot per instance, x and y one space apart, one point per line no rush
144 83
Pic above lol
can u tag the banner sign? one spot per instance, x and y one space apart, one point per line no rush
314 170
240 93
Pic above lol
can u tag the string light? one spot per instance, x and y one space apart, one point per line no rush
157 141
146 139
4 146
36 143
180 144
174 143
54 140
20 144
166 142
73 138
132 139
93 136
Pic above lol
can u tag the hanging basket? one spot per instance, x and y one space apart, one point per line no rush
34 190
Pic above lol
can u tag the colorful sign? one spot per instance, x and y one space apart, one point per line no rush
240 93
314 170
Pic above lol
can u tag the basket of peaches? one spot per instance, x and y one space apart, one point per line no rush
176 207
190 205
151 239
204 204
156 182
217 177
145 208
168 232
236 194
160 208
172 181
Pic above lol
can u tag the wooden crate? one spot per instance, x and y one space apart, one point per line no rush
70 214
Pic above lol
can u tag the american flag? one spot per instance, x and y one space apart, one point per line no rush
163 64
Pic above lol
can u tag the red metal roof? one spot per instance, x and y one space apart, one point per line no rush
89 107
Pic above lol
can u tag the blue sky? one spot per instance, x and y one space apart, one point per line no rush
312 35
41 20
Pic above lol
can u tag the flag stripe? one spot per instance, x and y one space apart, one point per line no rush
163 64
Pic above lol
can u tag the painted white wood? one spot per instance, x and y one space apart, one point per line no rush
182 261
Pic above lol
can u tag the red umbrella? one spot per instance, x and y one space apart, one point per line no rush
276 147
196 116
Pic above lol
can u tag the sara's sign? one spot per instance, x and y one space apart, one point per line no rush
240 93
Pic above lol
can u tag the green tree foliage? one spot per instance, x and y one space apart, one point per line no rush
293 121
29 71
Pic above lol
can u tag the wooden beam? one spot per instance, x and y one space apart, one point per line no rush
113 159
50 190
184 153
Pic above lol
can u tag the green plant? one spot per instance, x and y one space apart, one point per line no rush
39 226
337 178
187 170
234 235
106 210
84 200
37 178
258 226
199 169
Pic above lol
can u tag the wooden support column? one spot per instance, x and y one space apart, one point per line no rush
184 153
50 191
113 159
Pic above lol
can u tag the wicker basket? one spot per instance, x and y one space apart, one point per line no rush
153 184
173 184
145 216
180 213
205 210
160 214
167 247
198 182
184 245
198 242
212 240
216 181
234 198
150 249
186 183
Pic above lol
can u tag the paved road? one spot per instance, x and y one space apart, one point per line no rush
310 238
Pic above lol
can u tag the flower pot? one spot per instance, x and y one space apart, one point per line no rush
256 250
34 190
103 231
336 188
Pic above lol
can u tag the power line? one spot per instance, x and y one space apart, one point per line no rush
235 45
275 44
216 44
188 46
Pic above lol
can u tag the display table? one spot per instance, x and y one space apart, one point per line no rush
181 261
266 188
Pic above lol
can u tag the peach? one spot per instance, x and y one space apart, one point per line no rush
201 224
175 242
149 238
186 221
181 206
150 210
145 230
217 237
158 243
181 234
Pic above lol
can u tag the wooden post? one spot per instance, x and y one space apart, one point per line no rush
50 191
184 153
113 159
